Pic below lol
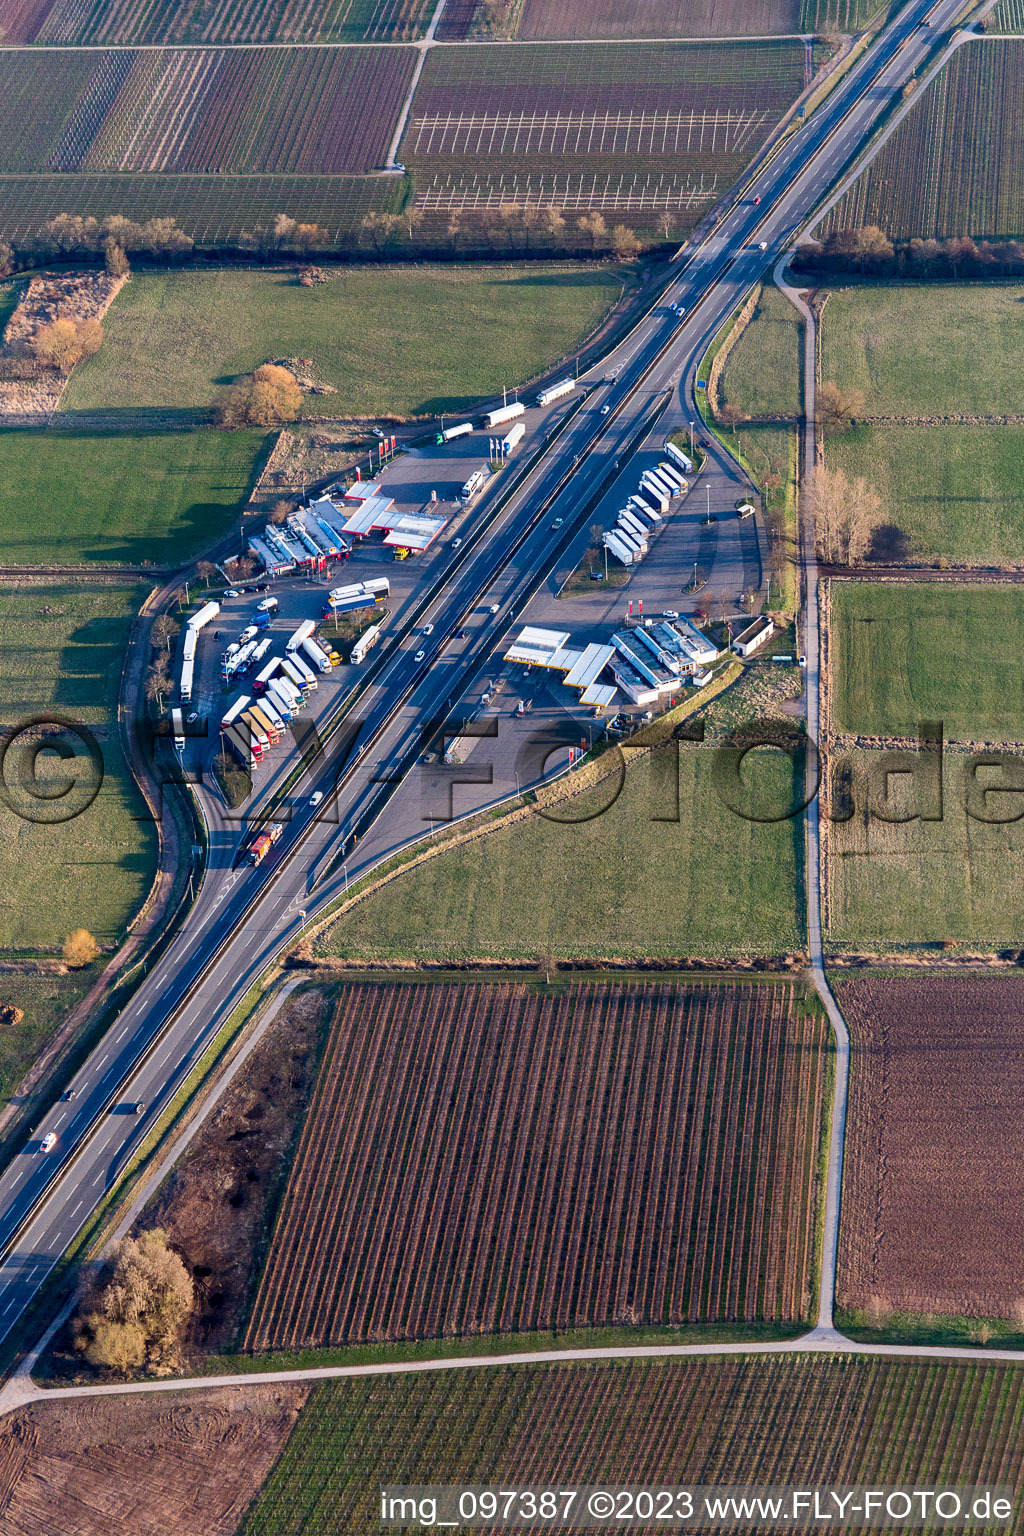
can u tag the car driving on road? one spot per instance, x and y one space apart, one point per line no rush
48 1142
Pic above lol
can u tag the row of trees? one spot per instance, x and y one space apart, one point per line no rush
510 228
848 512
870 252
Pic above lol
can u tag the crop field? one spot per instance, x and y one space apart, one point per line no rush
934 1147
628 129
319 111
213 21
392 340
544 19
212 209
968 118
61 650
892 659
1008 16
715 883
831 1421
895 882
693 1201
155 497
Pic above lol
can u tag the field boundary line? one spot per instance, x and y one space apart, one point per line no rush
21 1391
422 49
825 1327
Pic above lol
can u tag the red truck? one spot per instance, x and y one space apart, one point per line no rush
263 844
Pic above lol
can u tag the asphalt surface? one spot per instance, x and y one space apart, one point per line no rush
244 917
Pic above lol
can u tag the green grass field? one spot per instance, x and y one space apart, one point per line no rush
762 372
650 1423
761 378
927 348
894 884
619 885
903 654
45 1002
61 651
404 341
73 496
955 491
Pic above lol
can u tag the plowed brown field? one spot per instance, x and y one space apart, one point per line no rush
933 1192
141 1466
484 1158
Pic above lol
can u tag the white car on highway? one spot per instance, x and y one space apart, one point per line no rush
316 797
48 1142
419 655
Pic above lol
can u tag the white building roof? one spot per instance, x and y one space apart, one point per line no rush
362 490
593 660
372 514
599 694
539 647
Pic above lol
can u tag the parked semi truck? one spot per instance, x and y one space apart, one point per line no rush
237 709
315 655
283 702
503 413
679 457
305 629
511 442
263 678
178 727
449 432
304 670
256 730
265 723
244 746
294 677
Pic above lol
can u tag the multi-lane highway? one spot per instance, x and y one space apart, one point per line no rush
245 917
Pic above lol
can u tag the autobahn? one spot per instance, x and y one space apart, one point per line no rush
243 918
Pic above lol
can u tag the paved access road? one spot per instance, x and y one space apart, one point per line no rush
243 918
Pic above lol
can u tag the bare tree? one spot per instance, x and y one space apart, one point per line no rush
625 243
837 407
594 227
846 513
553 224
80 948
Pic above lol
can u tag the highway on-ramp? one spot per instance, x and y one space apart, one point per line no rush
244 917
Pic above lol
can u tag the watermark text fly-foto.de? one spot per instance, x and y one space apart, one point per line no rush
584 1507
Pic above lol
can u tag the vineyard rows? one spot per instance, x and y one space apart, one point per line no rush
212 209
777 1422
624 193
608 77
587 133
306 111
935 1147
479 1159
970 118
219 21
657 18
